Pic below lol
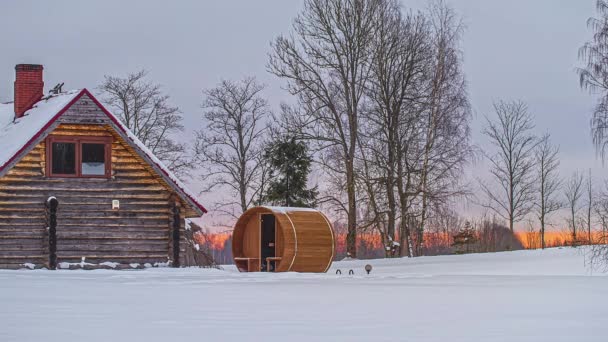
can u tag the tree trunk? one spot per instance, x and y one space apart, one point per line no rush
351 237
542 233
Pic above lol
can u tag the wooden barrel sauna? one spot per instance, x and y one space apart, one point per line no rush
280 239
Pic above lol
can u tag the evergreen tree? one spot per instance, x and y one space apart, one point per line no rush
289 165
465 239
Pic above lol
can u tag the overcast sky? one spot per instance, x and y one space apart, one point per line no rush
517 49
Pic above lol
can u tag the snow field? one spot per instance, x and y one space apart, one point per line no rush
549 295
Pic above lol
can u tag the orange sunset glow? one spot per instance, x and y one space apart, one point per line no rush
372 243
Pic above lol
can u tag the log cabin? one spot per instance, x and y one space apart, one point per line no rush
78 189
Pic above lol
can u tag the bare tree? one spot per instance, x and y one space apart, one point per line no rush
594 75
415 136
599 252
601 210
229 148
326 64
548 183
573 192
145 110
590 203
402 50
512 166
446 145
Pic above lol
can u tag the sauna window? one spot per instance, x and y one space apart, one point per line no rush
79 156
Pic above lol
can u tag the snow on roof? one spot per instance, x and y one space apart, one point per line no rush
285 210
16 135
156 161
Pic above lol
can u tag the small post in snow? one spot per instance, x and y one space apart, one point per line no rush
176 235
51 204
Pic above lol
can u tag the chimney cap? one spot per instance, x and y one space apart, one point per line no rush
28 67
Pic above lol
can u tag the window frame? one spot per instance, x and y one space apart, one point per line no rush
78 141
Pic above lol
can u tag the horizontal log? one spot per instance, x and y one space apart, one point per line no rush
114 242
129 174
39 201
80 133
74 195
65 249
67 126
22 248
17 172
120 152
82 188
32 217
22 234
28 164
68 210
19 209
25 256
121 260
33 156
102 208
18 221
110 256
30 229
125 158
28 181
110 214
38 243
113 236
111 231
126 167
124 225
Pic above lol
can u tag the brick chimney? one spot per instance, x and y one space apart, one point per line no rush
29 87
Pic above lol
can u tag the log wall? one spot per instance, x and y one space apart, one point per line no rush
140 232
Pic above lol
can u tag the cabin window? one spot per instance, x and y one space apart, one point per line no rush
93 159
79 156
64 158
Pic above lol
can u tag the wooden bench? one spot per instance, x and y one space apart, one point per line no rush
271 259
251 267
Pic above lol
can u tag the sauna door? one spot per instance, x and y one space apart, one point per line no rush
267 248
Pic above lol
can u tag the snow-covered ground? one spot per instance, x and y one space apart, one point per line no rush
517 296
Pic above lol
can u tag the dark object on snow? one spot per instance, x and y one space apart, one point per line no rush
51 204
351 272
58 89
338 271
368 268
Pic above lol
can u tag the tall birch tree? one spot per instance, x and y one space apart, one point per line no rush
326 64
548 183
